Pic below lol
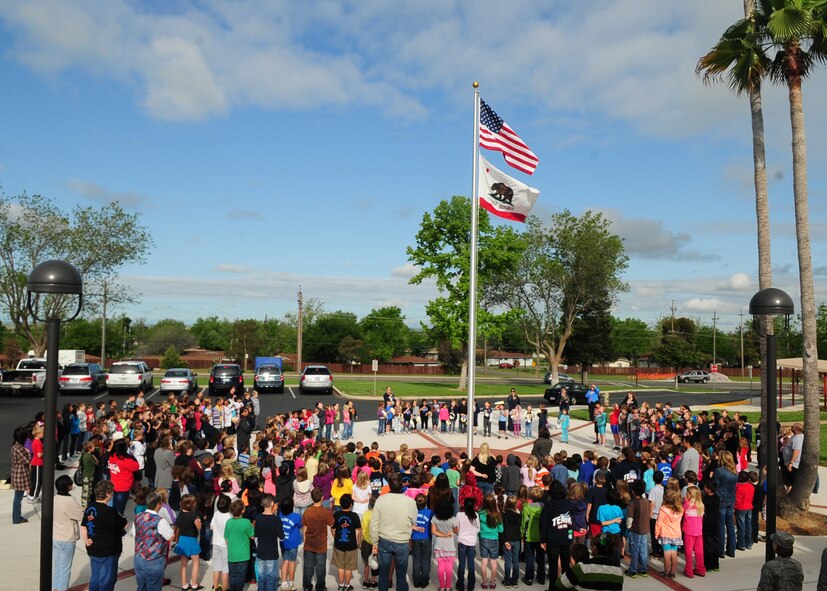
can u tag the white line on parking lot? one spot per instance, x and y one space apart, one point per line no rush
154 392
291 392
102 395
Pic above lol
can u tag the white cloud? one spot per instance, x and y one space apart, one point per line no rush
407 271
738 282
650 239
95 192
702 304
230 268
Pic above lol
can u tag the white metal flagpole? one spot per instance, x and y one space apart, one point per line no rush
472 290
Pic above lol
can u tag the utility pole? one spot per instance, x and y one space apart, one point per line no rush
741 330
715 319
103 323
673 308
299 333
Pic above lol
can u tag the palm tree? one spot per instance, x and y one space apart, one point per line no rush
739 57
795 31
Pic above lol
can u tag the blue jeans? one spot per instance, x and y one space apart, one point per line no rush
328 431
466 555
149 574
421 554
62 554
533 553
398 554
348 432
314 563
238 575
727 527
268 575
639 551
512 561
744 522
486 488
17 506
380 429
104 573
528 427
119 500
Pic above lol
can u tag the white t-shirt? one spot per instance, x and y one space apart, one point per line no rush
219 520
468 531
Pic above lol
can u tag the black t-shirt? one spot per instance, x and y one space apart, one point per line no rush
105 527
596 496
488 469
186 524
268 533
626 470
345 524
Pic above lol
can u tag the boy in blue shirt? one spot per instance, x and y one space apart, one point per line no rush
421 543
291 523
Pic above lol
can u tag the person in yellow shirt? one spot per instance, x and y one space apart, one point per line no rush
342 485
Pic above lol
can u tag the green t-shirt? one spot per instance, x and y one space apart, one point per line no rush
453 477
87 460
350 461
237 533
486 532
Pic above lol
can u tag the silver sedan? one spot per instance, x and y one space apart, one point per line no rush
179 379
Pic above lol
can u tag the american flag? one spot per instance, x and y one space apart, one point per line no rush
495 134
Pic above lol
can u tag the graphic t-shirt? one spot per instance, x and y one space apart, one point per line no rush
423 520
345 524
292 526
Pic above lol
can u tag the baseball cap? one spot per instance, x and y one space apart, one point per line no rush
783 539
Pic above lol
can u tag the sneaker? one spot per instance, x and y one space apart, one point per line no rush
527 581
643 573
631 575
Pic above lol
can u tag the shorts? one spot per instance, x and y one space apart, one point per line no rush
219 562
187 546
502 425
615 429
489 548
669 547
344 559
366 549
290 554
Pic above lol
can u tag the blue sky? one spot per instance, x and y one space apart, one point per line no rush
272 144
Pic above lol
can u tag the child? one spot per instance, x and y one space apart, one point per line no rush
693 515
565 421
580 526
291 524
269 531
511 542
516 420
470 490
600 424
529 422
421 543
656 497
502 419
368 574
542 418
341 486
347 537
711 525
668 530
187 528
237 534
640 513
744 493
315 522
382 417
444 415
468 526
444 527
491 526
531 537
220 568
757 503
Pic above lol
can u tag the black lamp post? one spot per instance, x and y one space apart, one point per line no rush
771 302
54 278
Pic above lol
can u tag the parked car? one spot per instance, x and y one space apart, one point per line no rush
506 365
82 376
316 378
575 391
561 377
224 377
698 376
28 378
268 377
130 375
179 379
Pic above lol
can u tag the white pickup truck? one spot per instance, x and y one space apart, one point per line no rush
28 378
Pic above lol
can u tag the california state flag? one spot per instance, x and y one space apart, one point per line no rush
504 196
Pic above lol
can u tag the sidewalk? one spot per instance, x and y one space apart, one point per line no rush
19 544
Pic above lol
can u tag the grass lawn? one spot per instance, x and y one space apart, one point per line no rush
441 391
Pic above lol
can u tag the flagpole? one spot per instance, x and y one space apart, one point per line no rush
472 295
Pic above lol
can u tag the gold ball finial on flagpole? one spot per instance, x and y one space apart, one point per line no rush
476 84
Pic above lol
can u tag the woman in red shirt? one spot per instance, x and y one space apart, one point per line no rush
122 468
36 464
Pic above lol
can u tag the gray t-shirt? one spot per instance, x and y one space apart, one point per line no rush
797 443
445 526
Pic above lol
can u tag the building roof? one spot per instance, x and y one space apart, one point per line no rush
412 359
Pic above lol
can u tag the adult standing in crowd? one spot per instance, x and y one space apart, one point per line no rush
592 398
102 530
513 402
65 532
484 468
782 573
543 444
690 460
796 444
726 477
164 462
152 536
391 523
20 474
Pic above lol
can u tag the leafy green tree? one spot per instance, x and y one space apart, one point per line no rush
83 333
567 267
33 229
212 333
589 342
277 336
677 353
442 254
245 341
631 338
350 350
419 342
172 358
322 338
165 333
384 334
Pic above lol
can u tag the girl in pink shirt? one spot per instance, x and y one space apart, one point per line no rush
693 540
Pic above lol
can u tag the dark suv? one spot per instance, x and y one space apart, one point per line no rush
225 376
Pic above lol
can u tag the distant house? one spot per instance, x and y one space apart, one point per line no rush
414 361
620 362
517 359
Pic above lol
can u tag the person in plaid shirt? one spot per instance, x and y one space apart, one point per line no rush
20 473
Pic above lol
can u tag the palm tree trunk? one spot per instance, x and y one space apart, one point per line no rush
799 497
762 215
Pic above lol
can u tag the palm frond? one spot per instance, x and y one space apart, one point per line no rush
788 23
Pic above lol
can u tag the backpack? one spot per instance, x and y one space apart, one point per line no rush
78 476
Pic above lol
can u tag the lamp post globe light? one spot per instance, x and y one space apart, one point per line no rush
51 278
771 302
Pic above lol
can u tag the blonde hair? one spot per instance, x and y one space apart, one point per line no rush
531 467
727 462
484 454
693 495
362 479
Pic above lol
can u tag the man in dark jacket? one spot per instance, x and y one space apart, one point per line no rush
246 424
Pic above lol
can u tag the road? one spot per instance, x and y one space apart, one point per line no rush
19 411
